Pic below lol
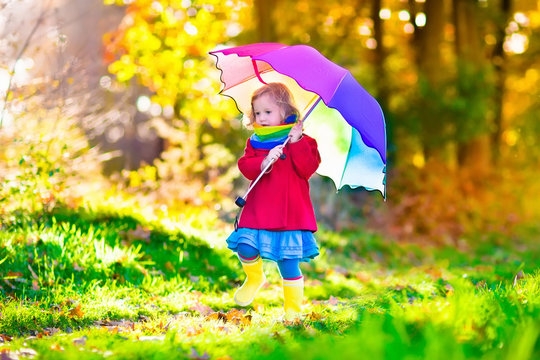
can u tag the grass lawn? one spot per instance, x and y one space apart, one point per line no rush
89 285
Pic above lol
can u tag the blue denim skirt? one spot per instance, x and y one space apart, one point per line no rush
276 245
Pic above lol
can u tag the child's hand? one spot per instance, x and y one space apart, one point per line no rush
272 156
296 132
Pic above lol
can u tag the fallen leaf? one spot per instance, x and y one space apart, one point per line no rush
6 354
314 316
235 313
341 270
333 301
68 302
519 276
169 266
195 355
140 233
80 341
224 328
35 285
481 284
151 338
56 308
28 352
76 312
197 293
45 332
216 316
241 320
276 335
51 331
434 273
192 331
14 275
56 347
201 308
5 338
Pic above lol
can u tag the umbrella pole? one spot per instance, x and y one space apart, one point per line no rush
241 201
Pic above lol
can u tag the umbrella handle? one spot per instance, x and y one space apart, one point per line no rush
241 201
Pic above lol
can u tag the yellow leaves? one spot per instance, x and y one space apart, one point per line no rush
124 68
169 18
13 275
363 276
35 285
169 266
56 347
5 338
434 272
313 316
225 357
76 312
233 316
191 331
148 31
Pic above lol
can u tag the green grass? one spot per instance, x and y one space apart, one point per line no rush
92 284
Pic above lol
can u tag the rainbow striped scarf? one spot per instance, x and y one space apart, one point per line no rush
268 137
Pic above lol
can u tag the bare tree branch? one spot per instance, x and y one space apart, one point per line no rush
19 55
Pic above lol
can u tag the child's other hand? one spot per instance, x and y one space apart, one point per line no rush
296 132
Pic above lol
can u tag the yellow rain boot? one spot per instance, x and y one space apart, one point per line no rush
293 295
254 280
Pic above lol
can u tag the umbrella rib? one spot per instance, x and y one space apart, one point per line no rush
312 108
341 184
257 71
245 80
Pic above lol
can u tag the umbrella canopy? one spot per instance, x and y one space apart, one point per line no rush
348 123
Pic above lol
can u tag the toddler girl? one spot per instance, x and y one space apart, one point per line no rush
277 222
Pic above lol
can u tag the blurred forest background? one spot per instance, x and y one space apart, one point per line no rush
117 101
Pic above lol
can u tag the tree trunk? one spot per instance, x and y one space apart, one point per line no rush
429 54
380 54
429 60
473 154
265 19
498 59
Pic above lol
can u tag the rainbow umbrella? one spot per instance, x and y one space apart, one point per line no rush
348 123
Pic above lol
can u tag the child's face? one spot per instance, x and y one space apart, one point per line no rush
267 111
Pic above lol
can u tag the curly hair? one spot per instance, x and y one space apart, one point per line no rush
280 94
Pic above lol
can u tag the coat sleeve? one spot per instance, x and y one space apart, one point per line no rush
250 163
305 156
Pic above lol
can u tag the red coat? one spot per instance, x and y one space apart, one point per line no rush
280 200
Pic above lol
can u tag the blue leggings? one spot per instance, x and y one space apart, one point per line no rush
288 268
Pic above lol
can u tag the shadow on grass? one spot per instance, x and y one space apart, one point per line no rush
83 247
